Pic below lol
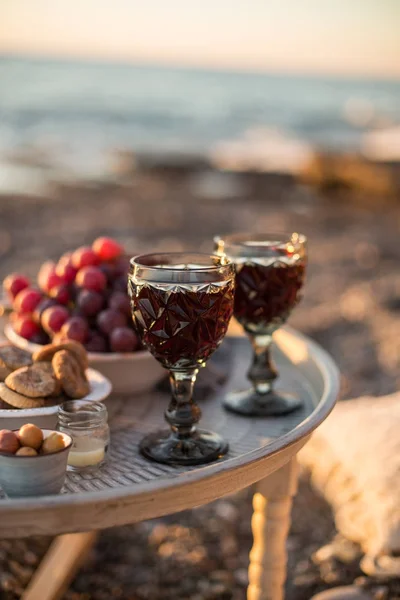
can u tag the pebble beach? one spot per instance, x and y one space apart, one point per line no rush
351 307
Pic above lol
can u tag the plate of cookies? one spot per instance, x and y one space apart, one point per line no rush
130 372
33 385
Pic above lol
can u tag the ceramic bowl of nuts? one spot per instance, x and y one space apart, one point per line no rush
33 461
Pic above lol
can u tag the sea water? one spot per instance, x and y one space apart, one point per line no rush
75 112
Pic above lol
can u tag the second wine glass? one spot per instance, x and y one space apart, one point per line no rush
270 271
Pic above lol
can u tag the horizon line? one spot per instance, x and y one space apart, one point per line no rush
179 65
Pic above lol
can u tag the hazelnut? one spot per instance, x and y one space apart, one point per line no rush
30 435
26 451
8 441
53 443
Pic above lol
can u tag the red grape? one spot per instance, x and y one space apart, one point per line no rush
77 312
89 303
65 268
123 339
84 257
53 318
15 283
110 319
40 338
26 327
76 328
27 300
41 307
61 293
121 284
47 276
91 278
122 265
109 271
107 248
96 342
120 302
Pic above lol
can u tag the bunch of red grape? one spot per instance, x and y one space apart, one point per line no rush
83 297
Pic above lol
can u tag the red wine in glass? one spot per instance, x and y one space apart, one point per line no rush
270 271
267 293
184 326
181 307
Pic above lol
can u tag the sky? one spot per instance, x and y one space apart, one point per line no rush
347 37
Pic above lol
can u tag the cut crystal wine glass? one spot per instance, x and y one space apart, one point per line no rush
270 270
181 307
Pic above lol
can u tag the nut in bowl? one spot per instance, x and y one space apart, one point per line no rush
33 462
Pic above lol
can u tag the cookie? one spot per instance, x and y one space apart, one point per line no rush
15 400
47 352
69 372
14 358
48 368
34 382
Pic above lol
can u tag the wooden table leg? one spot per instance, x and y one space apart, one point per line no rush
270 523
60 565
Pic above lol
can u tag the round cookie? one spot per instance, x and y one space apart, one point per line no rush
34 382
15 400
48 368
14 358
68 371
47 352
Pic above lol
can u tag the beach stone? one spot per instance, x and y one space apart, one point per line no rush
242 577
30 558
354 461
347 592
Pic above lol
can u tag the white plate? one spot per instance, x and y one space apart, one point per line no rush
100 389
129 373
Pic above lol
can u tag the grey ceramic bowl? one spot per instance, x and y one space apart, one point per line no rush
34 475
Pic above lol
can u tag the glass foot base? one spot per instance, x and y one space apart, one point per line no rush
251 404
200 448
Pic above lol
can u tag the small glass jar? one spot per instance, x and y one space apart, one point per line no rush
86 423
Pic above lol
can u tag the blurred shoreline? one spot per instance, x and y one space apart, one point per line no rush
29 173
78 120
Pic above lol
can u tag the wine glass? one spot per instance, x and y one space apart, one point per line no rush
181 307
270 270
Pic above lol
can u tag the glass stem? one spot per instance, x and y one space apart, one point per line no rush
183 413
262 371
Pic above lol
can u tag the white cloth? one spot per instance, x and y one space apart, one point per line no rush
354 461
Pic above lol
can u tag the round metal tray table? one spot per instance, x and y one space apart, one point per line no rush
129 488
